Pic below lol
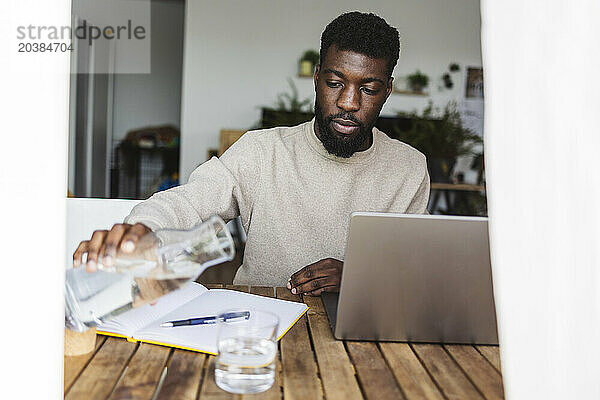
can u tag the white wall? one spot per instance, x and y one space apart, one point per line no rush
238 54
142 100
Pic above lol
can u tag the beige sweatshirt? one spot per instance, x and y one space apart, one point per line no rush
294 198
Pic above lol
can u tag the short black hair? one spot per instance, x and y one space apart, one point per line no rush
363 33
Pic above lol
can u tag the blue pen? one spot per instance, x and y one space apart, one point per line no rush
228 317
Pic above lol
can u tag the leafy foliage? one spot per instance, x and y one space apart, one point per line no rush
311 55
288 110
442 137
453 67
291 102
417 80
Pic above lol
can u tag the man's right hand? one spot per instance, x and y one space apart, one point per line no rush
106 244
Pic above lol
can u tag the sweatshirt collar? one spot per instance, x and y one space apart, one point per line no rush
317 146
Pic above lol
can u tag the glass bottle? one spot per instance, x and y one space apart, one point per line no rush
163 261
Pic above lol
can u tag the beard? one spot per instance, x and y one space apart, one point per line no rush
339 144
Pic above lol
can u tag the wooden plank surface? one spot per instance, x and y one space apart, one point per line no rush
263 291
485 377
213 285
445 372
73 365
143 373
209 389
315 303
311 365
412 377
299 369
184 375
492 354
337 372
104 370
239 288
376 379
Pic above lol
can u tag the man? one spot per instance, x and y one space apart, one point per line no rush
295 187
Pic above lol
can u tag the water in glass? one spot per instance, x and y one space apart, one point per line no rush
246 365
247 353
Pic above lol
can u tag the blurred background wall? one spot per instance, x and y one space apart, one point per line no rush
238 56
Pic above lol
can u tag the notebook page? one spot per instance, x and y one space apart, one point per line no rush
204 337
129 322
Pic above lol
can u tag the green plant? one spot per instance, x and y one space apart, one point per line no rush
454 67
290 101
288 110
417 81
442 136
310 55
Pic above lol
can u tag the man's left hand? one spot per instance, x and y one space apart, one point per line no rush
323 276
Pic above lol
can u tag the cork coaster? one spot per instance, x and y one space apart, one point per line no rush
77 343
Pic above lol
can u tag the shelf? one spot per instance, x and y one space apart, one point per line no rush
409 93
464 187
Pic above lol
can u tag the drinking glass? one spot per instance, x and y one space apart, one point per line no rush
247 351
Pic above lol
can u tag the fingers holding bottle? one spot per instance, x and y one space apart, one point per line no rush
93 250
105 246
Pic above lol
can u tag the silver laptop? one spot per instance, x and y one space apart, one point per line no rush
415 278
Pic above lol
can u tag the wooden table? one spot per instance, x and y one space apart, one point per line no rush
311 365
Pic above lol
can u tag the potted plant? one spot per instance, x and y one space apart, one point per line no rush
308 61
417 81
441 138
288 110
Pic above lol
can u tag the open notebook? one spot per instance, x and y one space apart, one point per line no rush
191 301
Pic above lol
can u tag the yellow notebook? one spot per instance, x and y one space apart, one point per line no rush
192 301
